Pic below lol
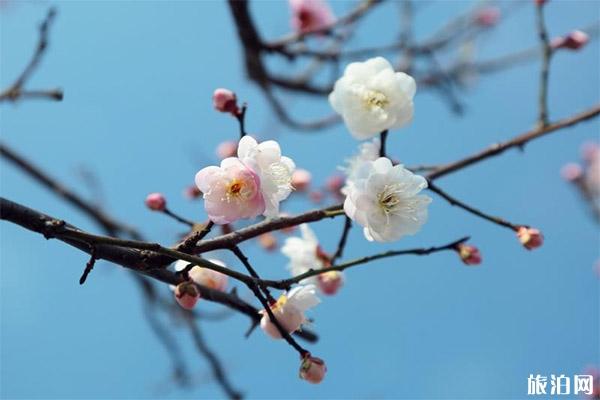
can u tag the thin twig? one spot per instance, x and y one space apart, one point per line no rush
545 71
383 139
215 364
367 259
343 239
16 91
178 218
455 202
89 266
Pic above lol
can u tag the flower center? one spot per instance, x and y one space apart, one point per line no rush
237 189
279 303
388 199
374 99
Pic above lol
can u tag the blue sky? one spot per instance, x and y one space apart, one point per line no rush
138 78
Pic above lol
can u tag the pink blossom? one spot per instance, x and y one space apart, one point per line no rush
487 16
227 149
571 172
573 41
330 282
301 179
156 202
530 238
187 295
309 15
231 191
204 276
224 100
470 255
312 369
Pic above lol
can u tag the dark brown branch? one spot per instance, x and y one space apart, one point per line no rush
455 202
545 71
112 226
518 141
242 257
88 266
135 260
363 260
343 239
215 365
16 91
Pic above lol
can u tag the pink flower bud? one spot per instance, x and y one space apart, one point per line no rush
268 241
330 282
469 254
335 183
530 238
156 202
573 41
316 196
227 149
487 16
540 3
312 369
224 100
309 15
192 192
301 179
187 295
571 172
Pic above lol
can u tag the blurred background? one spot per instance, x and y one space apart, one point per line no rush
137 118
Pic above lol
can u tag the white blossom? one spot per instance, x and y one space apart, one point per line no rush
274 170
385 200
205 276
367 152
371 97
290 310
303 253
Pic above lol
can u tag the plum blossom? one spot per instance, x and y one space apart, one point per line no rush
289 310
367 152
371 97
306 254
205 276
274 171
231 191
385 200
312 369
309 15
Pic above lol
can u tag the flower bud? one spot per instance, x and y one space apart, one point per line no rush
530 238
573 41
571 172
316 196
540 3
330 282
469 254
268 241
156 202
209 278
312 369
187 295
335 183
487 16
227 149
192 192
301 179
225 100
